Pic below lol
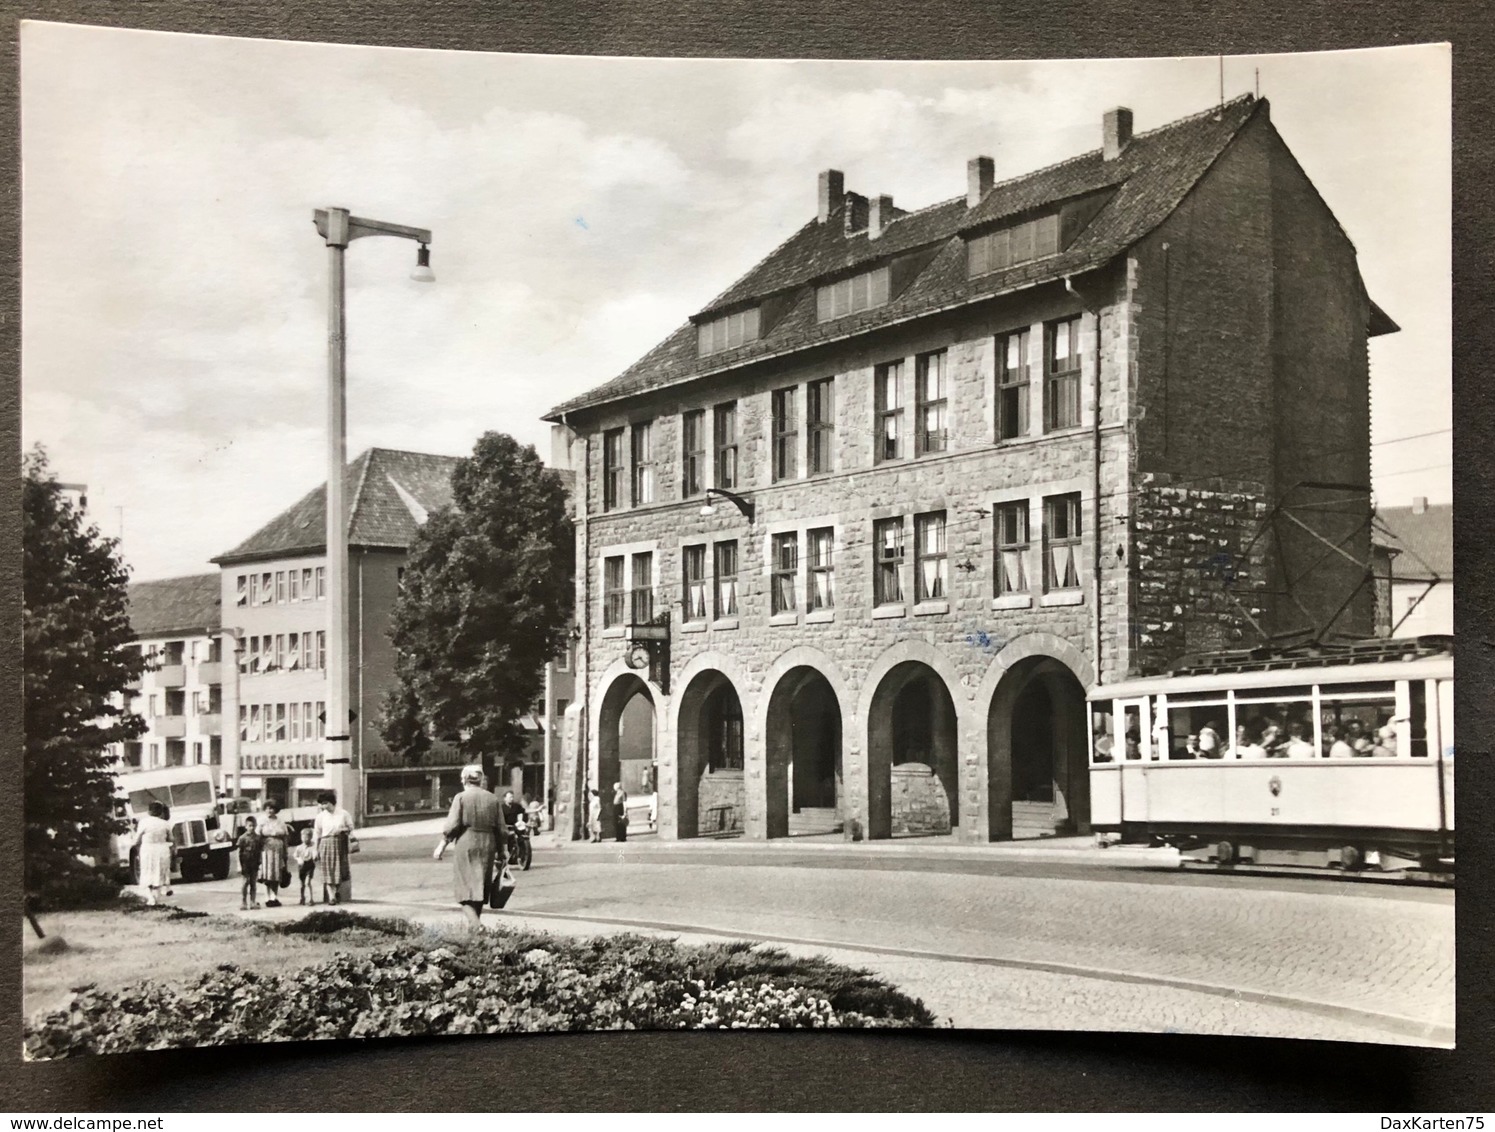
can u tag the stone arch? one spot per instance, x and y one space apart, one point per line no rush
908 712
800 716
710 754
1036 742
620 687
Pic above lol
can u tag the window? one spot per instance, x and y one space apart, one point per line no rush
724 731
293 591
199 703
254 655
308 726
176 701
888 379
563 660
930 402
642 605
887 566
726 579
822 590
280 651
612 592
785 436
560 712
693 432
255 727
1061 401
321 582
612 469
321 719
267 588
321 648
694 574
215 699
848 296
1061 542
820 416
306 585
929 556
280 587
293 651
728 332
215 751
243 723
641 445
280 723
294 722
241 586
1017 243
724 431
785 572
1012 385
1012 548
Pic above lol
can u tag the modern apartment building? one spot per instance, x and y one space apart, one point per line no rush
855 540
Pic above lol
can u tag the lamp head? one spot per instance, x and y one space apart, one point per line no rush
423 272
708 510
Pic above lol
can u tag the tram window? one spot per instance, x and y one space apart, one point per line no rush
1102 741
1196 731
1273 730
1132 732
1418 694
1359 726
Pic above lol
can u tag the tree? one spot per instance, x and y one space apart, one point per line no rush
485 605
78 662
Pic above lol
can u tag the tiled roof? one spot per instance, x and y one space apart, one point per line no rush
389 494
1425 541
175 605
1147 182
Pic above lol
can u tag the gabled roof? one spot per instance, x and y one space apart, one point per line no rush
1425 538
389 495
1147 181
176 606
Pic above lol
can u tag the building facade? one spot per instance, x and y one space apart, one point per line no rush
178 624
854 541
1414 546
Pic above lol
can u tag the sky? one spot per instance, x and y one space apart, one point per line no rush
174 289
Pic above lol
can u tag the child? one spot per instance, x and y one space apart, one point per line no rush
249 846
305 855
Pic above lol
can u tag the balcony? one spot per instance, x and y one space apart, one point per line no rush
210 723
210 672
171 676
169 726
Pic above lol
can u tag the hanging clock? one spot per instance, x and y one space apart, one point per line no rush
638 657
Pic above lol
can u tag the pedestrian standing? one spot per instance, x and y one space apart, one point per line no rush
474 831
620 811
153 840
274 854
333 827
249 846
306 865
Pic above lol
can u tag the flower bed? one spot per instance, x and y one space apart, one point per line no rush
499 982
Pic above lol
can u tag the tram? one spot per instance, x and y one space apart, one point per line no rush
1330 755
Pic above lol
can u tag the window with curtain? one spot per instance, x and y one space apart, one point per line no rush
1012 385
693 571
822 581
726 578
887 538
887 380
1061 542
929 556
1012 548
785 572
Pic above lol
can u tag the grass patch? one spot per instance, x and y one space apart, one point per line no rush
507 981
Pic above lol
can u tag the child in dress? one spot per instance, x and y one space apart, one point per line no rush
305 856
249 846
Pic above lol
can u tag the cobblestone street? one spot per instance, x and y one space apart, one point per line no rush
1009 944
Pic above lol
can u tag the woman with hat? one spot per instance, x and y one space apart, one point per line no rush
474 830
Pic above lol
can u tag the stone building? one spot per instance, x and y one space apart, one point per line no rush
177 622
861 533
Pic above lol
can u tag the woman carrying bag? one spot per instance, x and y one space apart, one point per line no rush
474 830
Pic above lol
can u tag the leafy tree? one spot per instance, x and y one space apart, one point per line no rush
486 603
78 660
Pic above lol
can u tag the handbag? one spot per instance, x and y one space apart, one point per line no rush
285 878
352 845
501 889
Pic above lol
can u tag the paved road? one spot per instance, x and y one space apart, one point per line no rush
1002 943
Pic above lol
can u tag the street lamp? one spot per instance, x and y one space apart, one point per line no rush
338 228
743 505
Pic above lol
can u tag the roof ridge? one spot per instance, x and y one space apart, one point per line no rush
173 578
367 456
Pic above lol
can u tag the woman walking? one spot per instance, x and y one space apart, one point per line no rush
153 841
274 854
332 829
620 811
474 830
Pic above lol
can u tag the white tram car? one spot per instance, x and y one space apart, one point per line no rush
1338 755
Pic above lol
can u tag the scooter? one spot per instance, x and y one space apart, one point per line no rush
522 853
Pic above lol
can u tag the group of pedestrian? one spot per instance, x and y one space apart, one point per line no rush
266 854
620 815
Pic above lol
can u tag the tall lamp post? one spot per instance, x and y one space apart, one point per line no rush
339 229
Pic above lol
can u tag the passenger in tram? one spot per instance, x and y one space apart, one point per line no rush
1104 745
1339 745
1210 746
1191 748
1272 742
1385 746
1358 740
1133 740
1244 748
1297 746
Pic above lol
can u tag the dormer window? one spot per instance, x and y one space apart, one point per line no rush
857 293
728 332
1015 244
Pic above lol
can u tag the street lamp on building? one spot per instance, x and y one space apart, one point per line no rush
338 228
743 505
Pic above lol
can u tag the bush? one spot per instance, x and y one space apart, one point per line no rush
327 922
508 982
57 881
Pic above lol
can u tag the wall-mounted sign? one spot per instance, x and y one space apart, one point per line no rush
262 761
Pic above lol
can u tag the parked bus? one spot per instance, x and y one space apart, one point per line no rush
201 847
1337 756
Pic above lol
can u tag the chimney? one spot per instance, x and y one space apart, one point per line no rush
981 174
1116 131
879 215
1419 505
832 189
856 213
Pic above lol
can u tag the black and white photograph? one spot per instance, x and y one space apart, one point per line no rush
523 543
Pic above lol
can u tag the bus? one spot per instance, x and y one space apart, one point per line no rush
1334 756
201 847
